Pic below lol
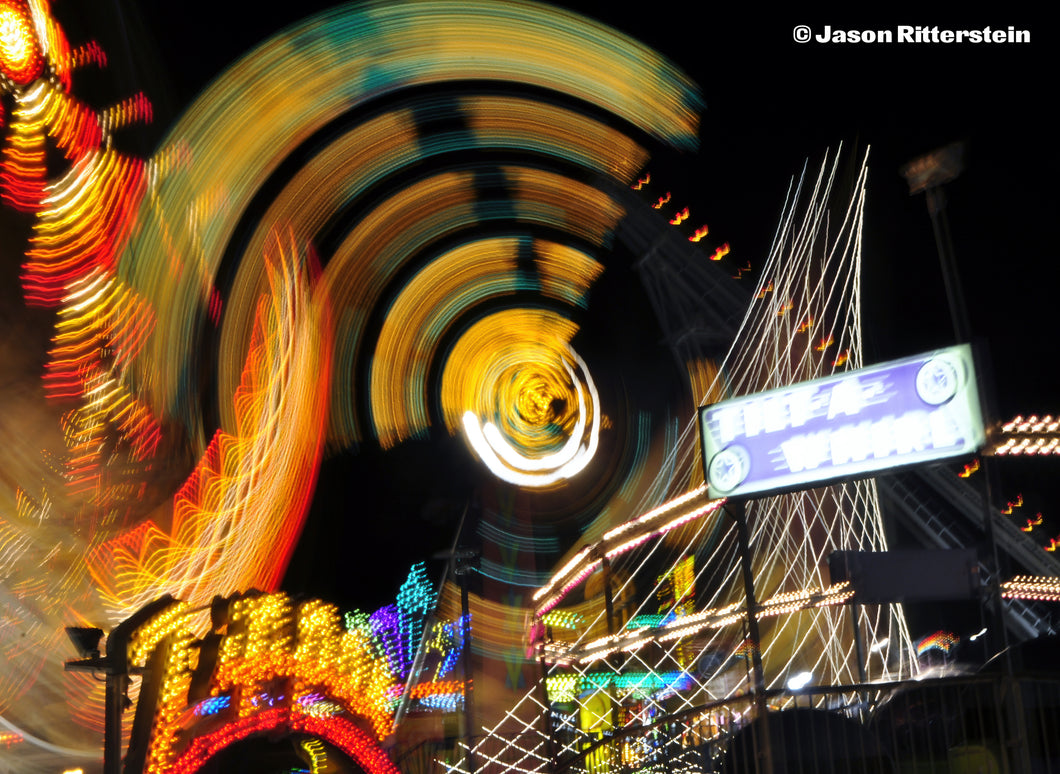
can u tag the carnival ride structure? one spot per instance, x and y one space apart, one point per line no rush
376 247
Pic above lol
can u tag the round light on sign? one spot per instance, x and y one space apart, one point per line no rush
729 468
937 381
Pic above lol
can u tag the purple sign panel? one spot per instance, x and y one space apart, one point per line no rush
848 425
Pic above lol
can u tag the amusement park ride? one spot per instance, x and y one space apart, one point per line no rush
332 328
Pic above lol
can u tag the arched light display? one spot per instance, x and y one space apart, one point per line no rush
388 167
267 664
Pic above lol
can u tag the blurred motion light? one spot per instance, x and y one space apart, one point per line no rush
520 446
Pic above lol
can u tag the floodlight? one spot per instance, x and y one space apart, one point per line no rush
85 640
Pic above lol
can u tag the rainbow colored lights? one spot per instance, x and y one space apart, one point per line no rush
565 688
941 640
283 666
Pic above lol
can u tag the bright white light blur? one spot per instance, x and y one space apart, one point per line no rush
880 645
977 635
508 464
799 681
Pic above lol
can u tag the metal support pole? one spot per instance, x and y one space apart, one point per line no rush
936 204
115 665
609 602
609 610
117 681
859 654
928 174
1013 698
859 646
738 512
462 571
421 651
546 715
115 693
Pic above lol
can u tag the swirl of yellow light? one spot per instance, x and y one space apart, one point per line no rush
541 401
374 252
432 302
277 97
380 146
524 399
218 158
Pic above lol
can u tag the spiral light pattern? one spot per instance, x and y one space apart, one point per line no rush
524 398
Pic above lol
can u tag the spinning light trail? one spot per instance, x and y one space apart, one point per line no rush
59 166
250 484
516 368
129 254
402 45
82 220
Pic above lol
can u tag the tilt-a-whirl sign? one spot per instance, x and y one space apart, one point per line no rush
849 425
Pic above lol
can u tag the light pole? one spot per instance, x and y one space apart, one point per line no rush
463 565
927 175
115 666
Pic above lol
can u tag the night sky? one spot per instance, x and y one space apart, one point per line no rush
771 103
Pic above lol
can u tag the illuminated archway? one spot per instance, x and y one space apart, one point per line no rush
264 665
340 732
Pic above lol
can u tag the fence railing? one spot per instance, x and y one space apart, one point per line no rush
985 725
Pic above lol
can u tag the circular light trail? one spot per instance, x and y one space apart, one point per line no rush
531 416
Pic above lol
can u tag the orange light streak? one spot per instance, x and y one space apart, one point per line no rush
680 217
253 481
699 233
